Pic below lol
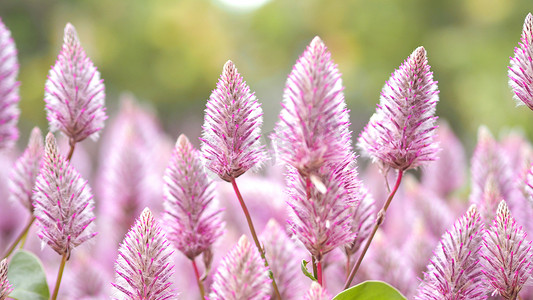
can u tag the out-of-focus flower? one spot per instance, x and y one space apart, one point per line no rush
188 195
232 127
144 265
400 134
521 69
74 92
241 275
9 89
25 171
506 255
63 202
314 124
454 271
5 286
317 292
362 219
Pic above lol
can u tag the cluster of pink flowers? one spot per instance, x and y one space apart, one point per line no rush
160 226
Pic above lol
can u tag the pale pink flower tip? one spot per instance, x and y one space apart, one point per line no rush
521 69
63 202
9 89
317 292
144 267
24 173
74 92
507 255
232 127
314 124
241 275
401 133
454 271
5 286
193 224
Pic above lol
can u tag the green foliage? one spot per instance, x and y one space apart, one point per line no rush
26 274
370 290
305 271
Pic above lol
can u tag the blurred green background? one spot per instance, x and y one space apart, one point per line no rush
170 53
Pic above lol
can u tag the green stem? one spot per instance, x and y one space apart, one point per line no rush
20 237
254 235
59 276
200 283
71 150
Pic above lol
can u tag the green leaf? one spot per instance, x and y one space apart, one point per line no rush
304 270
26 274
370 290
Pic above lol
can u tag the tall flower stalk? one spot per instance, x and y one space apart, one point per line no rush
521 69
63 206
231 132
400 134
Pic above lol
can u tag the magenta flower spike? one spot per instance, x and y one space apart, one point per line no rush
63 203
193 226
9 89
24 173
521 69
232 127
454 271
317 292
314 124
5 286
401 133
362 221
241 275
74 92
506 255
144 266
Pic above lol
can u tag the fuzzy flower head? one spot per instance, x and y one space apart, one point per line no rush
5 286
507 255
314 124
521 69
144 265
74 92
232 127
24 173
362 220
317 292
188 195
454 271
241 275
9 89
400 134
63 202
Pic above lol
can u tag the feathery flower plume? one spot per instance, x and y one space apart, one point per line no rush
74 92
400 134
241 275
24 173
314 124
362 219
63 202
507 255
144 265
188 195
232 127
9 89
454 271
5 286
521 69
316 292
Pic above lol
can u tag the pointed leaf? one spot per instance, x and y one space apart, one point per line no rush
370 290
26 274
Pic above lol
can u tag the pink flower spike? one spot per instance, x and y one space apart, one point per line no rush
9 89
193 224
63 202
506 255
454 271
362 219
401 133
232 127
74 92
144 267
521 69
314 124
24 173
241 275
5 287
317 292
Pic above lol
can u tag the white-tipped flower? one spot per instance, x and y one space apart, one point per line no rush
5 286
317 292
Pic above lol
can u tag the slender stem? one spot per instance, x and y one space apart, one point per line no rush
319 272
348 264
315 271
59 276
200 283
71 150
379 221
21 235
254 235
